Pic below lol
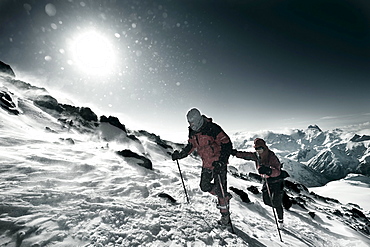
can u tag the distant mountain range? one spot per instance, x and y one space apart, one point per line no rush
328 155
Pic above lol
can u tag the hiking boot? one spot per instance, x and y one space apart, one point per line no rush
225 219
281 224
223 207
223 203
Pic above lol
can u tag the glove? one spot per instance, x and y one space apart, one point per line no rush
252 157
218 166
265 170
233 152
176 155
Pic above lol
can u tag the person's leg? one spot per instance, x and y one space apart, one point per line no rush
280 212
223 196
218 189
277 200
206 178
266 196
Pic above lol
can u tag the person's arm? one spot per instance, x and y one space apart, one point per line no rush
245 155
272 169
188 149
226 146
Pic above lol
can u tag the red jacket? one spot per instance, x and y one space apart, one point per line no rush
268 158
210 142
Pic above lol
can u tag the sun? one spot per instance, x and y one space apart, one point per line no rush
93 53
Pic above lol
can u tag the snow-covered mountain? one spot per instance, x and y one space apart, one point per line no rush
332 154
71 178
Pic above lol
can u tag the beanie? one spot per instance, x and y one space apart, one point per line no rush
258 142
195 119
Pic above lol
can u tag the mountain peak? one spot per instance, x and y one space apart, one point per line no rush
314 127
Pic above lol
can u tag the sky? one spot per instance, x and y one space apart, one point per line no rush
250 65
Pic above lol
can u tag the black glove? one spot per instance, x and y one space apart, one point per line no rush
177 155
218 166
233 152
265 170
253 158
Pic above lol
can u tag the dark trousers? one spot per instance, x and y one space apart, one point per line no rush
209 182
276 200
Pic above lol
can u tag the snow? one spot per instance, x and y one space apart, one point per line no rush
70 188
352 189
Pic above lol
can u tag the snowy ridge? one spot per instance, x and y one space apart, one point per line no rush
332 154
62 183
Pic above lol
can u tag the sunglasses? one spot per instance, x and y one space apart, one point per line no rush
259 148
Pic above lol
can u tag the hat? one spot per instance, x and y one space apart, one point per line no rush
258 142
195 119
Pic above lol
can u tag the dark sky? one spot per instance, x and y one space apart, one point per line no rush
250 65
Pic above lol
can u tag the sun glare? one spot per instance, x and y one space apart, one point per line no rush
93 53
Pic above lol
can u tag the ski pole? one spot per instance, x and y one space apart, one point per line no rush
182 180
223 196
273 210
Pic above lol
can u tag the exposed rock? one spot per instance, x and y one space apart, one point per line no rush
358 138
253 189
167 197
87 114
48 102
334 163
255 177
243 196
314 127
48 129
84 112
26 86
294 186
142 161
312 214
155 138
364 167
113 121
6 69
67 140
323 198
6 102
358 213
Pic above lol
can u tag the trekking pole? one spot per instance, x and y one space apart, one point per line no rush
182 180
273 210
269 192
223 196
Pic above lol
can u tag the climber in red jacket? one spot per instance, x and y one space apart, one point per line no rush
269 167
213 145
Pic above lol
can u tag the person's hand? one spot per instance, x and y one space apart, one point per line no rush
233 152
217 166
265 170
176 155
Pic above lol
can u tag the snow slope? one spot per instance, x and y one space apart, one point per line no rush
352 189
65 185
